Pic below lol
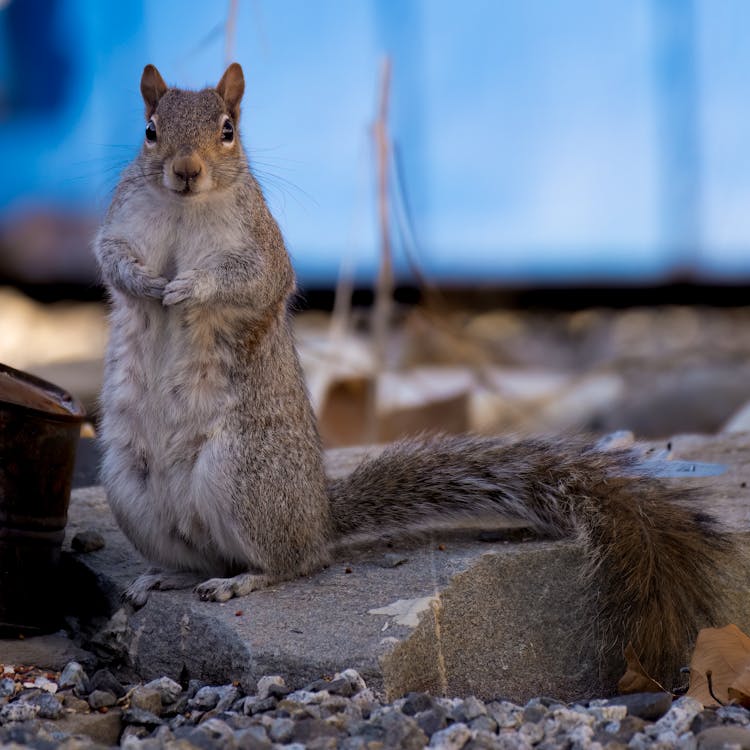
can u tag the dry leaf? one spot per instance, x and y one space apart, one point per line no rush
741 696
636 679
725 653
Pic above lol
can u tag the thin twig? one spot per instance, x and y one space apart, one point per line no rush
709 681
230 32
383 304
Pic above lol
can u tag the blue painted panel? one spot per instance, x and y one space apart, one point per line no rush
539 140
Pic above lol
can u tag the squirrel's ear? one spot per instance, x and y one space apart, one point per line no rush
231 87
152 89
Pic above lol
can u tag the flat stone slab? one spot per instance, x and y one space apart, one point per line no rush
448 614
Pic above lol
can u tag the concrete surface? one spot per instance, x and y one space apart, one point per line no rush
489 618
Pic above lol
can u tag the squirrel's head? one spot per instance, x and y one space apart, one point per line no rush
191 144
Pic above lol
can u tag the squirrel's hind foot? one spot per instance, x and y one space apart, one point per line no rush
139 590
224 589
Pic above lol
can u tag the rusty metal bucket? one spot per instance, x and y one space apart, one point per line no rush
39 430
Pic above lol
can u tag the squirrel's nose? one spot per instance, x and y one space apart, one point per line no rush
187 167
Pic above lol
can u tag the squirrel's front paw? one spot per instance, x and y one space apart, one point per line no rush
153 286
178 290
223 589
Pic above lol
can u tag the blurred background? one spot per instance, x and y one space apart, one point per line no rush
567 185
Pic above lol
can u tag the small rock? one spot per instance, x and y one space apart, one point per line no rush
132 733
149 699
254 738
169 690
219 732
7 687
354 679
49 706
718 738
570 718
75 704
18 711
608 713
415 703
581 735
400 731
180 706
266 704
140 717
205 699
193 687
623 730
392 560
704 720
531 733
507 715
339 686
482 740
432 720
101 699
114 639
473 708
534 712
648 706
87 541
105 680
677 719
21 735
281 730
337 704
483 723
306 730
47 685
452 738
228 695
74 676
305 697
734 714
265 684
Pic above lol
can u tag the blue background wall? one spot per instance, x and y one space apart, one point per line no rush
540 140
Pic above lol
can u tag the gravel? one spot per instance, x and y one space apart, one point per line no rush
72 710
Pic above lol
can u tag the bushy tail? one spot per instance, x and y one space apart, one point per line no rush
652 561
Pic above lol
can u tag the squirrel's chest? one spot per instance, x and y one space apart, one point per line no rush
172 241
166 370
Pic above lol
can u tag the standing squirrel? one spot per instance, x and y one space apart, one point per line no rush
212 459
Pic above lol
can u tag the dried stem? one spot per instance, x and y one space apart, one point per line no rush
383 305
230 32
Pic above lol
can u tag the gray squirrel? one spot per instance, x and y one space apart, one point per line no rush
212 460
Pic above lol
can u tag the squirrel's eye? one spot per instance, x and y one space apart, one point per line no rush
151 131
227 132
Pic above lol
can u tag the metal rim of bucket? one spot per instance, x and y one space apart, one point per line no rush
76 412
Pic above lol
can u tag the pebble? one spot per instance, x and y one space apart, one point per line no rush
452 738
18 711
717 738
341 713
105 680
168 690
265 685
149 699
87 541
7 687
649 706
205 699
74 676
101 699
49 706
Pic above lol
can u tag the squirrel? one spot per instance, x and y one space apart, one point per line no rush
212 461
